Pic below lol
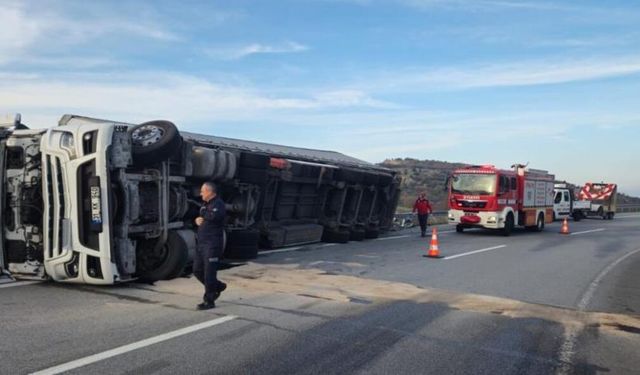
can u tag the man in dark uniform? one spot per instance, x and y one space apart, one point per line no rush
210 245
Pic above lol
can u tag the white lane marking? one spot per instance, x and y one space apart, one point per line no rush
18 283
280 250
626 217
327 245
392 238
587 231
474 252
567 349
133 346
586 298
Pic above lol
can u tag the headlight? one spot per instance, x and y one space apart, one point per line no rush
67 143
450 215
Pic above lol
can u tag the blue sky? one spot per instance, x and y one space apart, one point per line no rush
552 83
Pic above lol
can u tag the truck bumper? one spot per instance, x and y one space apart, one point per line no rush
490 220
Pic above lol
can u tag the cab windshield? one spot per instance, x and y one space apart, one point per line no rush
473 184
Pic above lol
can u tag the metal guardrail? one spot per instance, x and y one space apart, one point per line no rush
408 219
628 207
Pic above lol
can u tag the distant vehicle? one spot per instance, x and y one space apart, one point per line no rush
594 200
487 197
99 202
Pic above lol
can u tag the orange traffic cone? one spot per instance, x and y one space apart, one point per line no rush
565 227
434 251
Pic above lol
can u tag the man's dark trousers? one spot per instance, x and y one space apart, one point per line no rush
205 269
422 219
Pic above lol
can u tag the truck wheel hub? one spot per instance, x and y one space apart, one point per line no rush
146 135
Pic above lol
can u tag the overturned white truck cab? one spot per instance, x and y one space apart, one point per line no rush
100 202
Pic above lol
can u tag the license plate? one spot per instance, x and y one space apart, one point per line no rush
470 214
96 205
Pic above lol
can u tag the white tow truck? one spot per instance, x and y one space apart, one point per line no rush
594 200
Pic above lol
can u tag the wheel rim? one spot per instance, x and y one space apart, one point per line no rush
147 135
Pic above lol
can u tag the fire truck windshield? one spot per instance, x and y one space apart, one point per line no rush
473 184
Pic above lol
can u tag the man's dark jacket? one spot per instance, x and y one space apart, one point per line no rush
210 233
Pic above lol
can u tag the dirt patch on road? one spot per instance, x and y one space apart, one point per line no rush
316 283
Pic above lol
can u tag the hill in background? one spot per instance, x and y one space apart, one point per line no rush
431 176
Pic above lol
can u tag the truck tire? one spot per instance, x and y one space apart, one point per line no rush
335 236
508 225
540 223
154 141
242 244
610 215
356 235
577 215
459 228
371 233
169 262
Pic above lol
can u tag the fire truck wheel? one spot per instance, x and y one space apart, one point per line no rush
540 223
508 225
154 141
459 228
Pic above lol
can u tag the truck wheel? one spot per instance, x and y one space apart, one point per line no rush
372 233
577 215
154 141
540 223
242 244
610 215
166 263
508 225
356 235
335 236
459 228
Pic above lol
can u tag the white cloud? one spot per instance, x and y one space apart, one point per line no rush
234 53
143 95
523 73
19 32
28 30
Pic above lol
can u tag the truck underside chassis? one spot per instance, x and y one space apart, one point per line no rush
272 201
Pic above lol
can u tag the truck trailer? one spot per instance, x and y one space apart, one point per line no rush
101 202
593 200
483 196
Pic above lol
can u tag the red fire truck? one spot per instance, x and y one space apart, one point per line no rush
483 196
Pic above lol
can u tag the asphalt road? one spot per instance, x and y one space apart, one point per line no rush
535 303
